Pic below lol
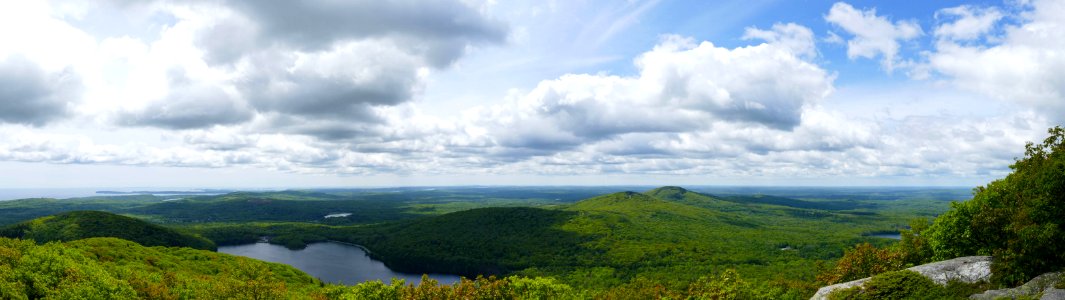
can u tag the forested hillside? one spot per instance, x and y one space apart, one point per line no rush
110 268
661 242
76 225
1017 220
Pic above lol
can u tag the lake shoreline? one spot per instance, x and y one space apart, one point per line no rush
331 261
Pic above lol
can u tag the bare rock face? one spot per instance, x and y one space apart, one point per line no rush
823 292
969 269
1053 294
1040 284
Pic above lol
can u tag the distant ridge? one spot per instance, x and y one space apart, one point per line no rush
668 192
679 194
77 225
620 201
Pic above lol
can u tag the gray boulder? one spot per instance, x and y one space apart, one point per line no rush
1040 284
969 269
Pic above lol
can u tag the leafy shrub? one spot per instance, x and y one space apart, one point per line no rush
862 261
639 288
914 249
1019 220
479 288
729 285
903 284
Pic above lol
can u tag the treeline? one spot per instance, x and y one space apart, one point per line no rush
1018 220
242 207
76 225
110 268
474 242
597 244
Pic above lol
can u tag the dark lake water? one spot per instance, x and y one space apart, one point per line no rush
330 262
896 236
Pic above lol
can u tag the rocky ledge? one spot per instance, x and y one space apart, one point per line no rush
972 269
1042 284
969 269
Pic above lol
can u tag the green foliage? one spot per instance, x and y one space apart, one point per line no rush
906 284
53 271
109 268
903 284
247 207
480 288
78 225
473 242
1019 219
729 285
862 261
656 244
15 211
914 249
624 239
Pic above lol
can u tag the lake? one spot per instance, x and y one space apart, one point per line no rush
330 262
886 235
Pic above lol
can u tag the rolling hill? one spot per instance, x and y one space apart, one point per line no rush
663 234
111 268
76 225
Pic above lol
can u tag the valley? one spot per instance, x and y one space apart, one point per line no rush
598 239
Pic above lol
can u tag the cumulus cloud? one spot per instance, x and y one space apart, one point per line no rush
326 87
968 22
681 86
438 30
190 104
342 84
796 37
1026 67
30 95
322 68
873 35
309 61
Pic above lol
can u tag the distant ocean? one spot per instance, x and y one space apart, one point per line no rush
11 194
63 193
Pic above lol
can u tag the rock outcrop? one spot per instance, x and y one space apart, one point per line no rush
1042 284
969 269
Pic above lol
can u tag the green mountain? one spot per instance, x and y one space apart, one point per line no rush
277 206
667 234
673 193
76 225
110 268
496 240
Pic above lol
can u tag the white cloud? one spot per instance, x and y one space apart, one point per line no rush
681 86
1026 67
969 22
873 35
30 95
792 36
312 61
231 84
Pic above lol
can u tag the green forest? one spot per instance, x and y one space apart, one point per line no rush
525 243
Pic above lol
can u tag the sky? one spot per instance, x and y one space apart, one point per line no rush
324 93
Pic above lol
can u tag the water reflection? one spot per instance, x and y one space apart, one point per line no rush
330 262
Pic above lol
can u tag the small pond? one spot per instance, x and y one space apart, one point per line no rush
887 235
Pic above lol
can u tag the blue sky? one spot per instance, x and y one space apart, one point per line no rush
458 92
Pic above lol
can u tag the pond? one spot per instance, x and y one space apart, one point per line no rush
887 235
330 262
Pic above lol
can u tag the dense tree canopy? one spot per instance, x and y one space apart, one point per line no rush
78 225
1020 220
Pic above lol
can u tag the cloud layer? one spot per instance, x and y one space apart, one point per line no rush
336 88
